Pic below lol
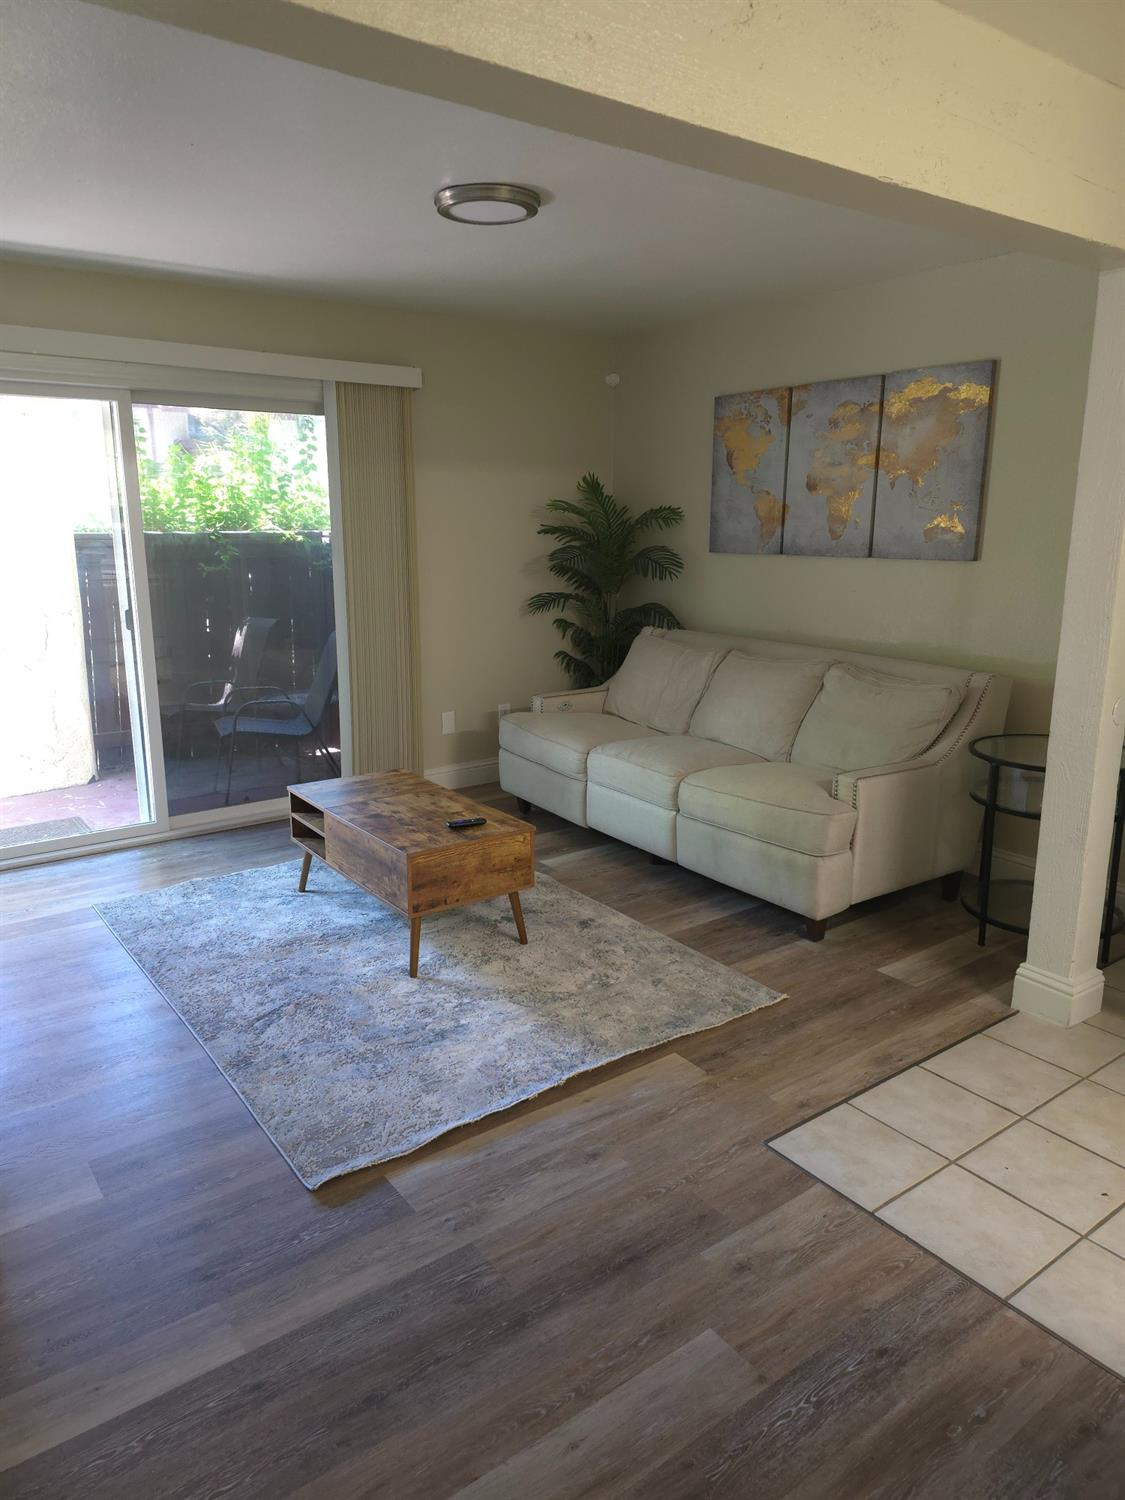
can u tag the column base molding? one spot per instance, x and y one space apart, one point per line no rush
1053 998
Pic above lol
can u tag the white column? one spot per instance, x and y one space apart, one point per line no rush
1060 981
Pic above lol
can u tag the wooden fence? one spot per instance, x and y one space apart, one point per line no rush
201 589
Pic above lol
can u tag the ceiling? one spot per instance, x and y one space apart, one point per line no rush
130 143
1087 34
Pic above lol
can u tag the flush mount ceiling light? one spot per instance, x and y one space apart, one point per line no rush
487 203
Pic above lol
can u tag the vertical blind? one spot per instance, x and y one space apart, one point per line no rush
380 570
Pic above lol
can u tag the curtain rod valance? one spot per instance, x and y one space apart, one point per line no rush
102 348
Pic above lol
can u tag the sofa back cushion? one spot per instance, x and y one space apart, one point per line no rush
865 718
659 683
758 704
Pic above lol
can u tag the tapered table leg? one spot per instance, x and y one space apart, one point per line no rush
415 936
517 913
306 866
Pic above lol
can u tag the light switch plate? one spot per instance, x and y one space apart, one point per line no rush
449 722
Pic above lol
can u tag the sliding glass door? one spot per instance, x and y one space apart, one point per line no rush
237 544
75 761
166 611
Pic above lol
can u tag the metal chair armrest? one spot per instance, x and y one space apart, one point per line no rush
206 682
283 697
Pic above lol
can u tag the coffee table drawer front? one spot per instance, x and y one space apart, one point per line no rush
376 866
470 872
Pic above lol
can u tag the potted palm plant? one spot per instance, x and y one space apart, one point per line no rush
597 556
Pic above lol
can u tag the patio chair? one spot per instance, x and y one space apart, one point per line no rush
282 715
245 666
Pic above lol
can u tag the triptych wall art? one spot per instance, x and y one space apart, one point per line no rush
872 466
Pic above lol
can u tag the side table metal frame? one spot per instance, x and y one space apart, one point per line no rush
1112 920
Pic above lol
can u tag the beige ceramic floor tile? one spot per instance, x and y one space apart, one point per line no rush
934 1111
1108 1020
1112 1077
1075 1298
977 1228
860 1157
1008 1077
1082 1049
1053 1175
1090 1115
1112 1234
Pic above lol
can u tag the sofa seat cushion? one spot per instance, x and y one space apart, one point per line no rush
563 741
791 806
651 770
660 682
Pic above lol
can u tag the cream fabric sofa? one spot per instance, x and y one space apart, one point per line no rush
807 776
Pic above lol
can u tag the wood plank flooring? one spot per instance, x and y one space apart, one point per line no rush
616 1290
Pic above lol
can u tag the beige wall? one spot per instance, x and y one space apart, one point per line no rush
1001 612
510 414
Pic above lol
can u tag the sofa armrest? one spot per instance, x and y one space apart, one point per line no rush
581 700
903 813
847 785
915 819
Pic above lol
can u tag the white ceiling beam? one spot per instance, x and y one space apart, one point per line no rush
906 109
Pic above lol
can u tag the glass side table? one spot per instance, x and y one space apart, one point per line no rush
1011 782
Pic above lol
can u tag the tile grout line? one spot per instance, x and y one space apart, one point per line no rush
1002 1301
1099 1246
983 1097
1043 1268
868 1088
991 1136
959 1161
1018 1113
1022 1114
1079 1237
1015 1047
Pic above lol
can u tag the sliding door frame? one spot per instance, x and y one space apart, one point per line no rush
339 578
165 825
136 622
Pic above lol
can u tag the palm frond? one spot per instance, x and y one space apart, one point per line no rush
597 559
657 562
659 516
659 615
580 581
539 604
578 536
576 635
569 508
581 673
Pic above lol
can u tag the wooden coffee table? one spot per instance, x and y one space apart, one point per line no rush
387 833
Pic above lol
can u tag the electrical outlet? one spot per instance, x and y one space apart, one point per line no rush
449 722
504 708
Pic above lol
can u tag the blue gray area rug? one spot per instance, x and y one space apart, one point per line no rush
305 1003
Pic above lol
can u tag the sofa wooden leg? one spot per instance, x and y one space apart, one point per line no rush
815 928
524 807
951 886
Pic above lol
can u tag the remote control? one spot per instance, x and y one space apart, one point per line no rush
466 822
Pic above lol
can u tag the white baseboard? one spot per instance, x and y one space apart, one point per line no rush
465 773
1056 997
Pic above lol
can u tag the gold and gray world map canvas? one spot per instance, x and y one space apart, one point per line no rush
870 466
